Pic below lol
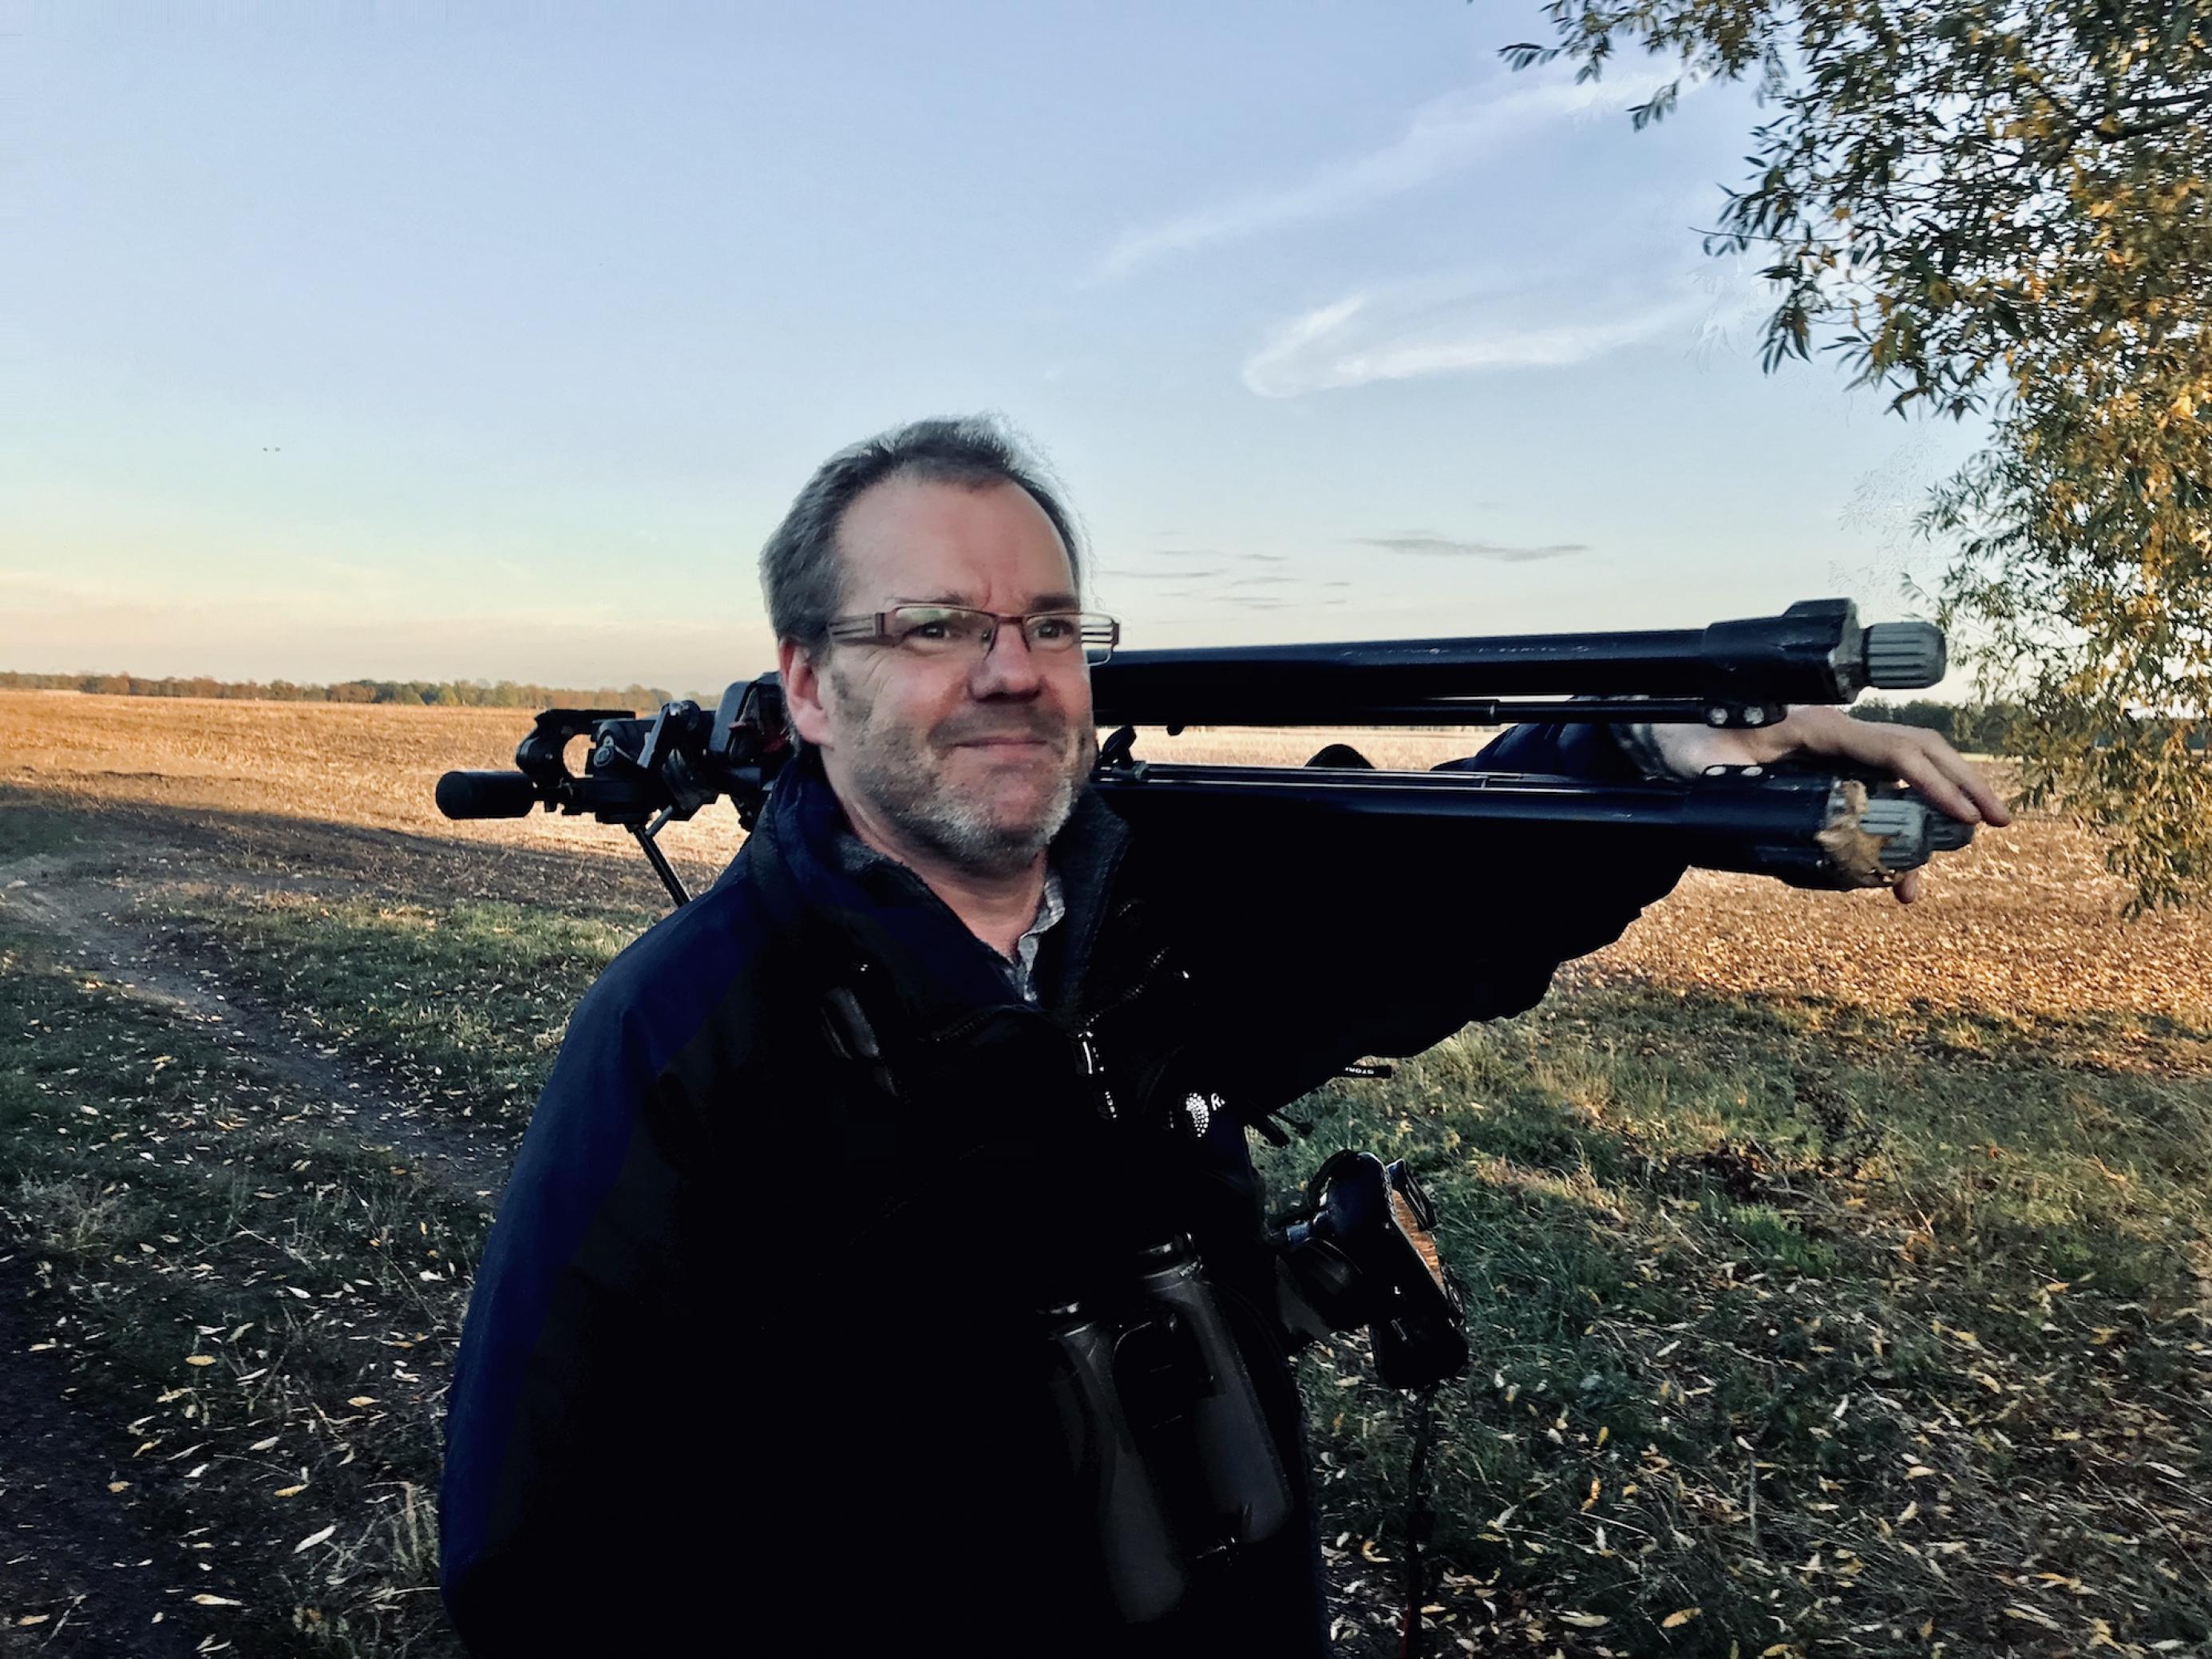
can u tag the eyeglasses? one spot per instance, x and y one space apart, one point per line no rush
953 630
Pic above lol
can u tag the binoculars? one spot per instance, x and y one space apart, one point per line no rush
1164 1429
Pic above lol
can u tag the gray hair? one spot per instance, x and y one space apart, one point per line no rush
802 571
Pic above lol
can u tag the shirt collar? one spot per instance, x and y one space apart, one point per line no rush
855 857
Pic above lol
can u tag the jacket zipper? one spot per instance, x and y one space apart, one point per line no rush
1087 1036
1086 1043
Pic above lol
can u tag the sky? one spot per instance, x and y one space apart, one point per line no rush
440 339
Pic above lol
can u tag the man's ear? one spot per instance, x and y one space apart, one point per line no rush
802 691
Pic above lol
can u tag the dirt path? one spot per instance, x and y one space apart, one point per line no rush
76 900
74 1555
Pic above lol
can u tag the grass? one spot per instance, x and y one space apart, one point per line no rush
260 1314
1834 1345
30 826
464 1004
1844 1331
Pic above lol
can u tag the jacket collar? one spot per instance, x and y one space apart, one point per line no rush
885 914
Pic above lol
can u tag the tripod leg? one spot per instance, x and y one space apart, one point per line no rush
661 866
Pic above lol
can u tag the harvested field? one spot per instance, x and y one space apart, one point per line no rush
2024 923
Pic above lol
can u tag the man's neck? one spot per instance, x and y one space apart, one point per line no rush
997 908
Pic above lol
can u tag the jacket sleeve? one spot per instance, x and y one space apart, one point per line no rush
1385 936
565 1512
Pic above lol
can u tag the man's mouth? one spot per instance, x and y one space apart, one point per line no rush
1008 741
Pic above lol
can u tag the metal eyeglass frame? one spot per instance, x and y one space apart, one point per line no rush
1096 632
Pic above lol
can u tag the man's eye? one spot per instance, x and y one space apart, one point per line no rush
1052 627
930 630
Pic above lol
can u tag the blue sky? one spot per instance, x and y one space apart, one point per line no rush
455 339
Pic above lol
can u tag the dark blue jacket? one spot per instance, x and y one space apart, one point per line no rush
750 1342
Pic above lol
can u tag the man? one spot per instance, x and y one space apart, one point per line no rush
756 1345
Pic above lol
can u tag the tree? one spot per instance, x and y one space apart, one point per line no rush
2002 207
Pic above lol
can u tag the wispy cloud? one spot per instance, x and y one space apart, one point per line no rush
1444 136
1405 333
1444 547
1121 574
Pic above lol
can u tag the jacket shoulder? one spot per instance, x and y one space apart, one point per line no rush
667 984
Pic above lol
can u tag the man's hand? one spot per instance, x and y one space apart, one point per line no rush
1912 754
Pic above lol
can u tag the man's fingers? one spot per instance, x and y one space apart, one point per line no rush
1908 887
1977 785
1924 772
1953 782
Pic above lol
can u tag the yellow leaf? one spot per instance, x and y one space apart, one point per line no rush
1918 1470
1586 1620
291 1491
1926 1629
1673 1619
1909 1510
206 1600
1601 1435
314 1538
360 1400
35 1618
199 1360
117 1485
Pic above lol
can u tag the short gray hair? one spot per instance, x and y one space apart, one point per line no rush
802 571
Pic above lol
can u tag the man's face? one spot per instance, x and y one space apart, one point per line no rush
974 759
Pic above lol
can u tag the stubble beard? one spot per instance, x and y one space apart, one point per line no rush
902 773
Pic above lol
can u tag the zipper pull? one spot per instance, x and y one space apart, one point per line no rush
1097 1073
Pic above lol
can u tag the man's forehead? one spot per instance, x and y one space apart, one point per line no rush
919 540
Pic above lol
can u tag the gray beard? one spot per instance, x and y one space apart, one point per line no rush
895 771
955 827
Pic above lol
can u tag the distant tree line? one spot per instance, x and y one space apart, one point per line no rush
438 694
1964 726
1984 727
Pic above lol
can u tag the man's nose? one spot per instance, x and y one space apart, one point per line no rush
1009 667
